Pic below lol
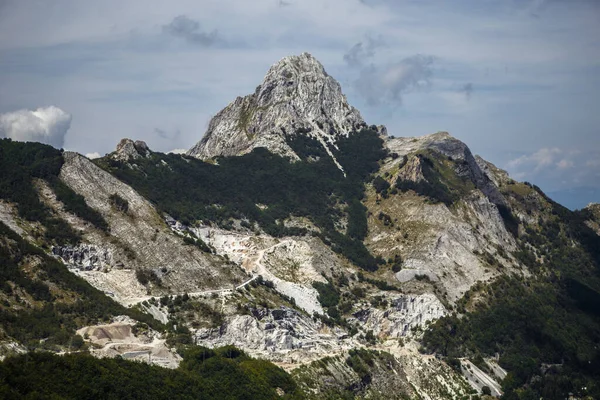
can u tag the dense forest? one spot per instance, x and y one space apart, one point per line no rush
223 373
546 328
264 188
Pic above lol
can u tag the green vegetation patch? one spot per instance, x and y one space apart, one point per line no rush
328 296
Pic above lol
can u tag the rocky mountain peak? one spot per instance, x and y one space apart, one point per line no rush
296 96
129 149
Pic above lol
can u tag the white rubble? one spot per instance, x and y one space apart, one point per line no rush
119 338
478 378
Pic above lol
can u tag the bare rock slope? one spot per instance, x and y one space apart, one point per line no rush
138 239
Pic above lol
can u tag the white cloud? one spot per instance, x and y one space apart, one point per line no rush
593 163
93 155
46 125
540 159
177 151
565 164
558 168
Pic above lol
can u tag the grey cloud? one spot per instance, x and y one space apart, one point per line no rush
283 3
467 89
46 125
166 135
362 51
387 84
189 29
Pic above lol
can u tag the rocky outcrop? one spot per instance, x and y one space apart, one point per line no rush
594 221
498 176
85 257
397 372
296 95
330 377
283 335
128 149
406 312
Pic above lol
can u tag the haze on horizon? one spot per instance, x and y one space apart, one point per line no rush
518 81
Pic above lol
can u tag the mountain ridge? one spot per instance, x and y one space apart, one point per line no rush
350 258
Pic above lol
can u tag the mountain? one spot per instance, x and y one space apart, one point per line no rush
363 265
296 95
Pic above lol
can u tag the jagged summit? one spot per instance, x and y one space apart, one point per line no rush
296 95
127 149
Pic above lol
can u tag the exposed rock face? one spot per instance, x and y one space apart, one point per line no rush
9 348
452 246
283 335
128 149
84 257
296 94
393 372
594 222
495 174
7 216
406 312
385 375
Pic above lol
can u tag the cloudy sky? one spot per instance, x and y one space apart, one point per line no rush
518 81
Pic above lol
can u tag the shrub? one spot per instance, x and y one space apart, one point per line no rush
119 203
380 184
328 295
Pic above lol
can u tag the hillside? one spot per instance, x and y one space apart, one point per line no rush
362 264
